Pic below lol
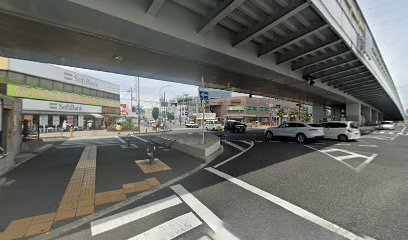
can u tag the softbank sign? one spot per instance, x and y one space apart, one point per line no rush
37 105
81 79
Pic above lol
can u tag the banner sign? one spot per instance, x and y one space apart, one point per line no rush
37 105
123 109
235 108
43 120
52 95
55 120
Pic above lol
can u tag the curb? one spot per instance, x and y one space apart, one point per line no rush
55 233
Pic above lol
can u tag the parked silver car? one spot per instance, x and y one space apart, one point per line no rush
387 125
298 130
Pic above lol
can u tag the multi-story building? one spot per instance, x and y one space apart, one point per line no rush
263 110
51 94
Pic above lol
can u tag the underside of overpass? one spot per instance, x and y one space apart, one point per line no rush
264 47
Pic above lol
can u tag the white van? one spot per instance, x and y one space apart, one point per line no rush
341 130
213 125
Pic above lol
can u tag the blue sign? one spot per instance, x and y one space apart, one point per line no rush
203 95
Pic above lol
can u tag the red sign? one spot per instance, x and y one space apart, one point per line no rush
123 109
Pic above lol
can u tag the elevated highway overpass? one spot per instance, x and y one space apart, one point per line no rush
273 48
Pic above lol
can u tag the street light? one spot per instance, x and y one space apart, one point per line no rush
164 102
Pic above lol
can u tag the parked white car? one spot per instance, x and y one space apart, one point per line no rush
213 125
387 125
341 130
298 130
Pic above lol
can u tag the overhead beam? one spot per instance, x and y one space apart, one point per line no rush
364 91
344 73
350 79
336 71
350 86
287 57
363 88
273 46
154 7
329 65
344 77
223 9
354 82
304 63
264 26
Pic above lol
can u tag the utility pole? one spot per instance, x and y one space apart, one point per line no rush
138 102
202 106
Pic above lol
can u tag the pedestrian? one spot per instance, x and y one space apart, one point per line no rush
89 126
118 128
64 126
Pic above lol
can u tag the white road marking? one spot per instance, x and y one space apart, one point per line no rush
343 144
117 220
120 139
367 145
212 220
288 206
144 140
170 229
349 155
235 156
259 141
319 143
246 142
234 145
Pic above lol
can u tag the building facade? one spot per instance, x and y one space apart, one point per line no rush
250 110
51 94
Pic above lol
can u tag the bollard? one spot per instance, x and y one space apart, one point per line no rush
151 150
128 140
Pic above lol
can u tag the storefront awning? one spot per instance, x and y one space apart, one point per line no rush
97 115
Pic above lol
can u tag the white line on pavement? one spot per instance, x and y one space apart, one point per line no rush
214 222
343 144
365 163
288 206
246 142
235 156
364 145
234 145
259 141
117 220
120 139
144 140
170 229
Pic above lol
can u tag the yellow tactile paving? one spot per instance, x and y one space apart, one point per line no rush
35 229
135 187
151 168
152 182
85 210
43 218
65 214
17 228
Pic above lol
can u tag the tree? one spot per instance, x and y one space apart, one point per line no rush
280 113
170 116
155 113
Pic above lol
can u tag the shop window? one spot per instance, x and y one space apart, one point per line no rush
45 83
115 96
86 91
58 86
16 78
93 92
99 94
106 95
77 89
68 88
32 81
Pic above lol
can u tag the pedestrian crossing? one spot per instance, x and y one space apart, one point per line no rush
172 228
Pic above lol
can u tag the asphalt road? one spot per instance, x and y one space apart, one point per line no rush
277 190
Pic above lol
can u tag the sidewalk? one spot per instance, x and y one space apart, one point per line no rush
64 184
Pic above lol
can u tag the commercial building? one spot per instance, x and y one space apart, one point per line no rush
51 94
263 110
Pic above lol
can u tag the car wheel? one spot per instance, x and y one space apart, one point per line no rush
206 128
269 135
300 138
342 138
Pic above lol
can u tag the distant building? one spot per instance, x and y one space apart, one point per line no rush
217 93
249 109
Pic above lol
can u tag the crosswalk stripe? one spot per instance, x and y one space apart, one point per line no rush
287 205
120 139
142 139
120 219
234 145
212 220
171 229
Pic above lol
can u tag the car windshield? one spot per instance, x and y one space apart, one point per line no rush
315 124
354 125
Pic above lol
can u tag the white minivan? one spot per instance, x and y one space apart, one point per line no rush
213 125
341 130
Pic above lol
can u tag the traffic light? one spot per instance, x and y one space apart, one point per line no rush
133 109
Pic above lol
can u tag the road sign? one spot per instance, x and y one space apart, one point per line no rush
203 95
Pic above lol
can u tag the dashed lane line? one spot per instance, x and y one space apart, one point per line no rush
120 219
171 229
288 206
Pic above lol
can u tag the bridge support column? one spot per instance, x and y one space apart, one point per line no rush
353 112
366 114
380 117
319 113
374 116
336 113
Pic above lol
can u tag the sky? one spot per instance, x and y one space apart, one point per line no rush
387 20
